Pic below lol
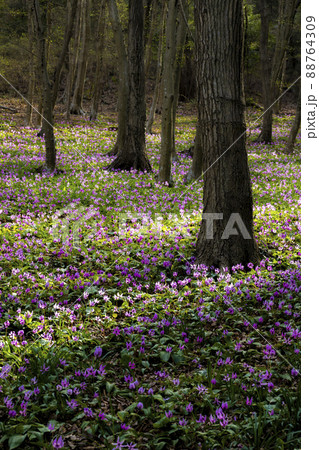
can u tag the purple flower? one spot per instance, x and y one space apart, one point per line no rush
168 414
224 422
101 371
58 442
88 412
294 372
183 422
249 401
131 446
238 346
50 426
43 370
212 419
189 407
98 352
72 404
202 389
201 419
117 331
140 405
270 386
118 444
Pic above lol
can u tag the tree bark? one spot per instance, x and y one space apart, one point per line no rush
196 169
73 59
265 64
151 115
131 155
295 127
149 33
167 134
99 61
31 81
279 88
123 88
66 41
227 188
76 105
50 153
180 44
270 78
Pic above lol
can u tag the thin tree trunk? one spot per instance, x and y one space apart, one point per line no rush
265 63
76 105
151 115
277 105
123 88
50 153
66 41
73 59
132 154
99 61
227 187
167 134
31 81
295 127
196 169
287 11
149 37
180 44
38 115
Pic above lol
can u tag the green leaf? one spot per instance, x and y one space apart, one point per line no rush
21 429
121 415
165 356
16 440
160 423
159 398
178 358
109 387
160 445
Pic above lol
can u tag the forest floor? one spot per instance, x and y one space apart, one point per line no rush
110 336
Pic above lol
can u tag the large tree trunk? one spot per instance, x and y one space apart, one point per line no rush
151 115
131 155
295 127
227 188
123 88
50 153
76 105
167 134
99 61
